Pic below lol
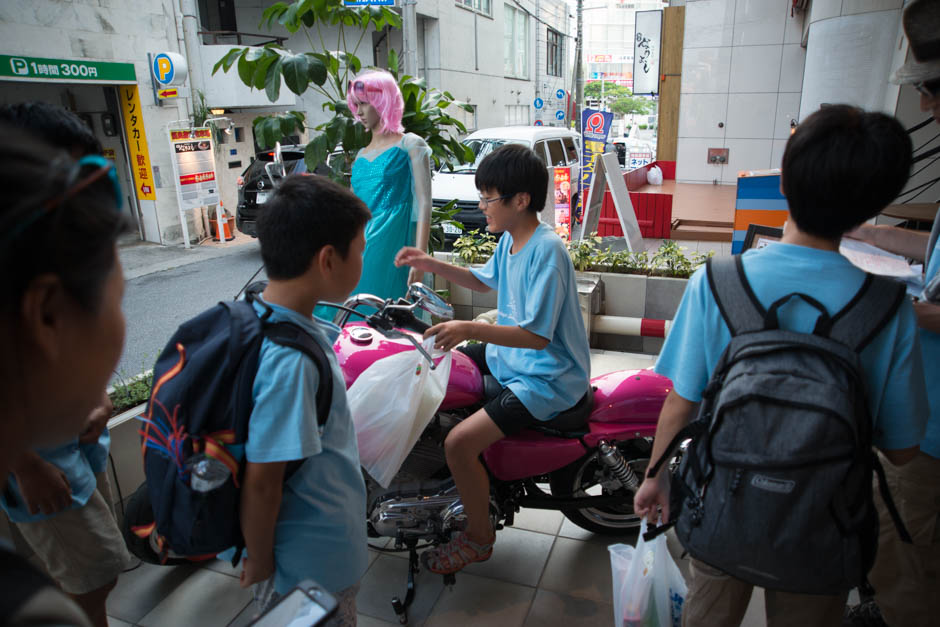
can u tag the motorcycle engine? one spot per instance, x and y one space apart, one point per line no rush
423 509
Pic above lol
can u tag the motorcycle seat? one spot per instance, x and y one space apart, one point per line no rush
569 424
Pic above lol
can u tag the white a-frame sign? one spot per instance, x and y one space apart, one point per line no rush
607 172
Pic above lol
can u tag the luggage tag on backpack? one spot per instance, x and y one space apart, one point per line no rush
305 605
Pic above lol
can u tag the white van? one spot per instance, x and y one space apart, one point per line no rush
557 147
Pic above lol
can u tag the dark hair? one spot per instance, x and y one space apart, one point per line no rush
54 125
512 169
73 238
306 213
841 167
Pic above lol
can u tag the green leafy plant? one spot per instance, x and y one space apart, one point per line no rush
475 247
584 252
327 72
201 113
670 260
643 127
130 392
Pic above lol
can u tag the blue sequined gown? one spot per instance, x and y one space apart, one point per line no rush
385 182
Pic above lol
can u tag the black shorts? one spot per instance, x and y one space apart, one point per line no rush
507 411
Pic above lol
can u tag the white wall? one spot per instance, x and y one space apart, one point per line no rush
742 77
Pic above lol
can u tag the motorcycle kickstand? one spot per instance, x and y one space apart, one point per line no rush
401 609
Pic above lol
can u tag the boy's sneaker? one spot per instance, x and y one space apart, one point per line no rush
448 558
865 614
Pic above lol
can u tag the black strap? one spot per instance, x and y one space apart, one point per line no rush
691 430
736 301
872 307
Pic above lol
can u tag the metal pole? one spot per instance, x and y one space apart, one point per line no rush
409 29
579 77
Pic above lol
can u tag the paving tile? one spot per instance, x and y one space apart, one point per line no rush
483 602
246 616
518 557
207 598
224 567
571 530
367 621
579 569
388 577
138 591
541 520
552 609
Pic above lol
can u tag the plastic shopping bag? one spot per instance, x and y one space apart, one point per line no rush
654 176
649 590
391 403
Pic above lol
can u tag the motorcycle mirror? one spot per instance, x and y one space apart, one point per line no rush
428 300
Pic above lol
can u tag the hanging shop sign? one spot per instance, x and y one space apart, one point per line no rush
194 167
595 127
17 68
562 196
647 44
169 68
137 142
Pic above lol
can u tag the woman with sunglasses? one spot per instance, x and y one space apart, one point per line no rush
61 325
393 176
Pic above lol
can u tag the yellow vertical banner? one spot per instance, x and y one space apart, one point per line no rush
137 142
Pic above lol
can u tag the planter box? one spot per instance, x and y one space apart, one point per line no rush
125 451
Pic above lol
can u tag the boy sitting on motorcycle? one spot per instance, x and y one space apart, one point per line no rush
537 351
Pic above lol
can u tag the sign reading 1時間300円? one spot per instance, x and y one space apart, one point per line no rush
66 70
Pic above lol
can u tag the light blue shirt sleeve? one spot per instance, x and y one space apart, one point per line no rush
489 273
683 358
901 414
283 424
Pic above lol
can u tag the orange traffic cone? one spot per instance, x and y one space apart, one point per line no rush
226 224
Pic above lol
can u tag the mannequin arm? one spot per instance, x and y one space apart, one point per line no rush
421 169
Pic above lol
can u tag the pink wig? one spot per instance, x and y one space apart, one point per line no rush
379 89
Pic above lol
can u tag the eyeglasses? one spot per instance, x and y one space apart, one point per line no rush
73 185
928 88
486 201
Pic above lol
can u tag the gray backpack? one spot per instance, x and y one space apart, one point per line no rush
776 485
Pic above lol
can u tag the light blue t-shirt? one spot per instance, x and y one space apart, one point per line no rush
891 362
930 347
537 291
321 527
79 462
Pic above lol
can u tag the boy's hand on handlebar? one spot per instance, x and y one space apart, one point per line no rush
414 257
449 334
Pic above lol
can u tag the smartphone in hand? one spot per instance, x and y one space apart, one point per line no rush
305 605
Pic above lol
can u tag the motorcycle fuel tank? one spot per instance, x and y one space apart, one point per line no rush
359 346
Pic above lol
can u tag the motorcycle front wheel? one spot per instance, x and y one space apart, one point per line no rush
589 477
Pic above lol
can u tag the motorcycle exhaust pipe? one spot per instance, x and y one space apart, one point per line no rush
610 456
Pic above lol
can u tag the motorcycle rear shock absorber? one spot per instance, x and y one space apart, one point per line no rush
610 456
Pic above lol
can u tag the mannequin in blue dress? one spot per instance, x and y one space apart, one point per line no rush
392 175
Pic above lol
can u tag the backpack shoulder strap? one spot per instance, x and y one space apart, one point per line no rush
292 335
736 300
872 307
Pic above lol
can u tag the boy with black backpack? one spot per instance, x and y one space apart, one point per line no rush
801 363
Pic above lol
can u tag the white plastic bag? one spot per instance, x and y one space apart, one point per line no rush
649 590
391 403
654 176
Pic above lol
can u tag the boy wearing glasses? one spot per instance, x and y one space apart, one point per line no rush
537 351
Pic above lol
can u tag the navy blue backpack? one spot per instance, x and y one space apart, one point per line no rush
200 404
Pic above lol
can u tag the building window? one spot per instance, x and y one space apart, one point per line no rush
553 45
516 42
480 6
517 114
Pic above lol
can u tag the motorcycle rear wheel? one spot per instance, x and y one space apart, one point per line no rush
589 477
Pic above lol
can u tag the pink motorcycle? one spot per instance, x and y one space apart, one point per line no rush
591 474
